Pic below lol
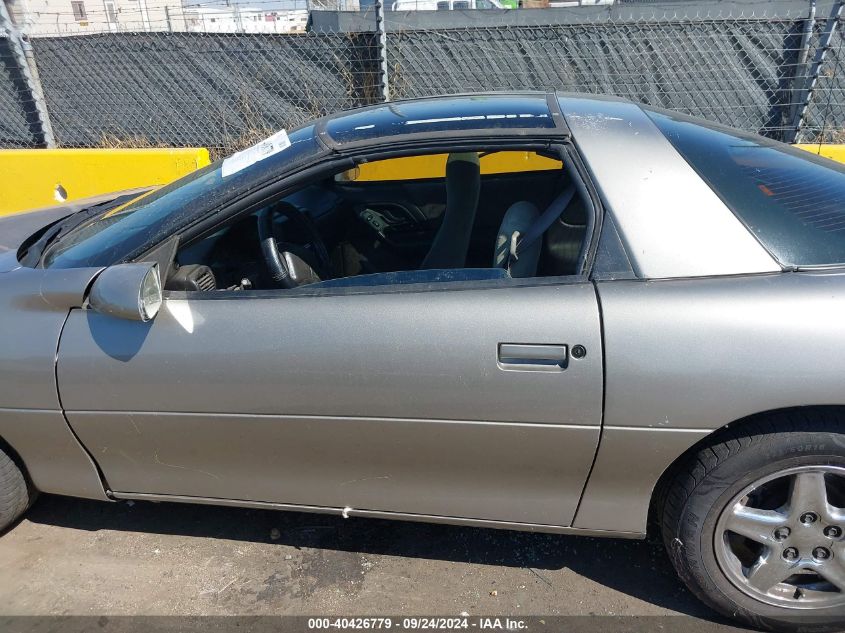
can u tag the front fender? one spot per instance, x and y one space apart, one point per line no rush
34 304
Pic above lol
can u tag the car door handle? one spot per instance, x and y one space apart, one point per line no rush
530 357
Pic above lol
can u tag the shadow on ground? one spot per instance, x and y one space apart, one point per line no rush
636 568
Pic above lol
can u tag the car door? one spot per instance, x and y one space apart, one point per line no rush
439 401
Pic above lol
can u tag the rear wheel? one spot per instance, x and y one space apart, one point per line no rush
14 492
755 523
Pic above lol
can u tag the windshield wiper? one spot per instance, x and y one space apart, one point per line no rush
34 253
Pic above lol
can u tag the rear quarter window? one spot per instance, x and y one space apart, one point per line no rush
793 201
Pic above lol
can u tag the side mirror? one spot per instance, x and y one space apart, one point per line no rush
127 291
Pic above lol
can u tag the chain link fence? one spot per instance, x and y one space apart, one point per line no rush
223 91
15 101
824 119
741 73
172 84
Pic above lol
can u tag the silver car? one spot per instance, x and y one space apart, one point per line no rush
544 312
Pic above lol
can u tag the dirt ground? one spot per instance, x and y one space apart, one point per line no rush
75 557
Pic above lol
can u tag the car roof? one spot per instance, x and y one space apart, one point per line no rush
481 114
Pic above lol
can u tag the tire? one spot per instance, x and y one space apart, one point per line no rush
739 472
15 494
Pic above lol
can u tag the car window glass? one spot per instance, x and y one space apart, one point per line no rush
481 112
409 220
118 232
791 200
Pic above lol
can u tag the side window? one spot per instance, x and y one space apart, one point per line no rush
111 12
79 12
791 200
429 218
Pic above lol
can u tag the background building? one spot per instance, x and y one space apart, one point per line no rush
66 17
40 18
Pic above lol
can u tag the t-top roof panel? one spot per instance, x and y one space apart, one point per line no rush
493 113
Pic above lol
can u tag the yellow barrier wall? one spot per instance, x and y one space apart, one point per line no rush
36 178
434 166
836 152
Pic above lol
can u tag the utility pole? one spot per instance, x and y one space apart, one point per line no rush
239 25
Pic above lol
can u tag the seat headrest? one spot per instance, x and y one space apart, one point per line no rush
464 157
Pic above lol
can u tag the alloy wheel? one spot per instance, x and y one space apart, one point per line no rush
782 539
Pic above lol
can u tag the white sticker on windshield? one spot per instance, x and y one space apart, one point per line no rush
251 155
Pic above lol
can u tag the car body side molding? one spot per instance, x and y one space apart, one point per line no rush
374 514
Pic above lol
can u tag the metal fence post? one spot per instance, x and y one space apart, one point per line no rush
792 120
384 80
815 68
25 61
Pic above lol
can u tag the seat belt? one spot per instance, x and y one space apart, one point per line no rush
542 223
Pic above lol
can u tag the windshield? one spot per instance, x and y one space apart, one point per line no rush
793 201
114 235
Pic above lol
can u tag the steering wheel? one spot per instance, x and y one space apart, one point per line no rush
281 257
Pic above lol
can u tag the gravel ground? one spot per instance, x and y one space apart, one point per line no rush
75 557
